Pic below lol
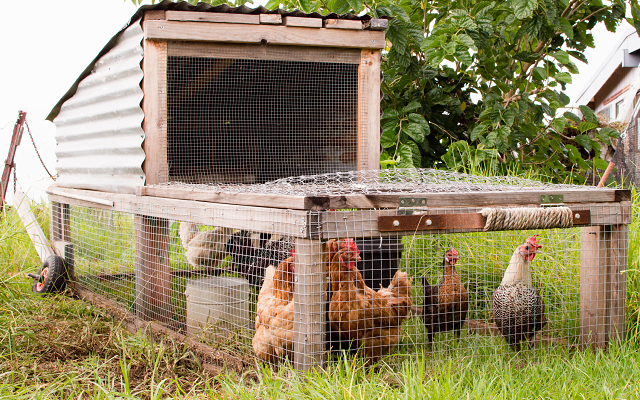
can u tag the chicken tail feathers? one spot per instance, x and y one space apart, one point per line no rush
188 230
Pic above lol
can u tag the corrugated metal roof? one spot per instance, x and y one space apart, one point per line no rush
99 129
168 5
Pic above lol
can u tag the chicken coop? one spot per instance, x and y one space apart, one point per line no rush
218 175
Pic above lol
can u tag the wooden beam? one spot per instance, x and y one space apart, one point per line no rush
213 17
429 222
154 105
310 297
152 269
155 14
343 24
271 19
256 219
369 110
303 22
30 223
271 34
376 24
602 286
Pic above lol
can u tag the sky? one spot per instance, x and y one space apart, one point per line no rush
45 46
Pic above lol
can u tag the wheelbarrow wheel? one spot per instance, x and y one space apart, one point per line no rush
52 277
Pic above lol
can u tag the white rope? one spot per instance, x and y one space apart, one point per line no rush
504 219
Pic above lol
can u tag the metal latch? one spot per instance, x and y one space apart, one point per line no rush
549 200
407 202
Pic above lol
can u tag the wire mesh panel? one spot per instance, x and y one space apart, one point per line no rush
252 114
381 284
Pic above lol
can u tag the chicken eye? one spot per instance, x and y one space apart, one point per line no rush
526 247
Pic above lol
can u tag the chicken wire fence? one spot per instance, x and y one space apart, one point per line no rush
268 291
255 113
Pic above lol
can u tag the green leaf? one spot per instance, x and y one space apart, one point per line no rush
467 41
586 126
610 132
389 113
388 139
600 163
540 73
414 105
490 140
477 130
588 114
408 154
572 116
508 117
558 124
561 56
399 12
563 77
414 131
305 5
486 113
419 119
584 140
524 8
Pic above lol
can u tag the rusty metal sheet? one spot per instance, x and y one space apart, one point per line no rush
429 222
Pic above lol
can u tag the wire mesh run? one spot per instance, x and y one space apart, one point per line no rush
269 295
252 114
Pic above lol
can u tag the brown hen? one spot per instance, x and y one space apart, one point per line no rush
273 340
371 320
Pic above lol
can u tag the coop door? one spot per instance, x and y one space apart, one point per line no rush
256 113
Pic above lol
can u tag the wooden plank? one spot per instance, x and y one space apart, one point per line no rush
427 222
30 223
272 19
213 17
271 34
310 297
303 22
155 14
369 110
376 24
618 260
364 223
593 288
343 24
152 269
253 199
154 105
78 196
253 51
472 199
256 219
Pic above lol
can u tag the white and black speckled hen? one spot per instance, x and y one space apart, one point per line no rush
518 308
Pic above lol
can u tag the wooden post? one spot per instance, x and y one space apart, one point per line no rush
152 269
602 286
309 298
369 110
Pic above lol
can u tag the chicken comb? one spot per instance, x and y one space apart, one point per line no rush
351 245
533 240
292 252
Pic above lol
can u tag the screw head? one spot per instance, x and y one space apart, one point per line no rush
396 223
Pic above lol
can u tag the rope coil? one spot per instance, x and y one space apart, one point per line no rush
521 218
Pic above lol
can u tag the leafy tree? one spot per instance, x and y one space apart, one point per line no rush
486 79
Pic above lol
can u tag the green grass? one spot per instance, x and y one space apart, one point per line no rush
58 347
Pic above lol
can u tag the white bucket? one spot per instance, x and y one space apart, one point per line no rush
217 305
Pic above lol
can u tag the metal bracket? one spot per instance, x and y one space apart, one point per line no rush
550 200
405 203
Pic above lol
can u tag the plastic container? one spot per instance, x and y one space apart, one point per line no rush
217 305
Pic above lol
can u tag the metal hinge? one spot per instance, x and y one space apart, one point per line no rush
405 203
551 200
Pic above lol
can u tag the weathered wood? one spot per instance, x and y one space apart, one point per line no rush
427 222
303 22
364 223
272 19
213 17
309 299
272 34
30 223
254 199
369 110
152 269
476 199
343 24
154 105
255 219
79 196
376 24
602 286
155 14
258 52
